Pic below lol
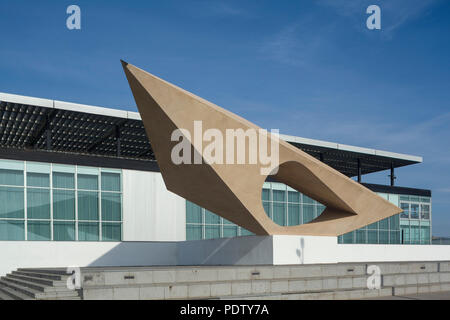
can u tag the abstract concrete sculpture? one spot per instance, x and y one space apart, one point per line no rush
233 191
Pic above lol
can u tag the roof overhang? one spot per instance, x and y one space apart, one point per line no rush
28 123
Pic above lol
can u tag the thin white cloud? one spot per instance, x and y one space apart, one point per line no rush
297 44
215 8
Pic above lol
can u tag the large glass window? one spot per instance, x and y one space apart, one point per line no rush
44 202
282 204
285 206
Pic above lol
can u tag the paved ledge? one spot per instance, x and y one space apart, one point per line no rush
424 296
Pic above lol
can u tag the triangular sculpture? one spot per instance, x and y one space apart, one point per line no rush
233 191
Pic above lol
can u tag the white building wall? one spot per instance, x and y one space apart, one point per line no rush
54 254
150 211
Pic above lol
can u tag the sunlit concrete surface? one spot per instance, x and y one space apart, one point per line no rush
424 296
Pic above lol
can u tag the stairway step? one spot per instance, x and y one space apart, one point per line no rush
420 288
35 286
320 295
38 280
57 271
39 295
5 296
19 292
14 294
47 276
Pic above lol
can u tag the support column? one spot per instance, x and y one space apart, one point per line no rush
359 170
392 175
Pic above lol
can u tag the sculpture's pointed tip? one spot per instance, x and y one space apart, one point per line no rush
124 63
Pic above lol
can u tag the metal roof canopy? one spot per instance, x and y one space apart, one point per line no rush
28 123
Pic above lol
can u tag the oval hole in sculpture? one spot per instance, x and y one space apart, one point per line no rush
286 206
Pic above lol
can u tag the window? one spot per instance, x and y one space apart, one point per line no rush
414 211
88 231
12 230
64 204
405 234
88 206
39 230
45 202
308 213
12 202
111 231
63 231
287 207
279 213
415 235
425 211
294 214
425 234
405 207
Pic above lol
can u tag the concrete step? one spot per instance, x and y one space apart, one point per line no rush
31 293
34 285
216 288
420 288
30 289
5 296
415 278
38 280
13 294
320 295
196 274
56 271
48 276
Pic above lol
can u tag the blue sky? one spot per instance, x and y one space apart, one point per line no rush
308 68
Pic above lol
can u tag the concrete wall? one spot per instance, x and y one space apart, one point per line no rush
392 252
250 250
150 211
43 254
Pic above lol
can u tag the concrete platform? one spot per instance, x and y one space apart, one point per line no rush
424 296
249 250
342 281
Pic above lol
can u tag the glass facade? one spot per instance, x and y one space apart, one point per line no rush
415 220
287 207
53 202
